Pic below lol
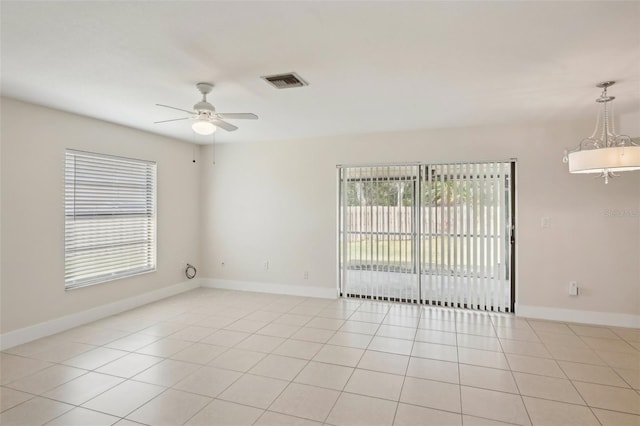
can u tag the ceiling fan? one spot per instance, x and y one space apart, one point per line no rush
205 115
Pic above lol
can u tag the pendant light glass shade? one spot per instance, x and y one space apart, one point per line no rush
605 152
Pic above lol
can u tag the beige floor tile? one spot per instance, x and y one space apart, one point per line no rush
279 330
193 333
132 342
479 421
36 411
167 372
534 365
225 338
574 354
352 326
246 326
476 329
434 336
409 321
255 391
313 335
396 332
590 331
371 317
95 358
437 324
384 362
339 355
614 418
550 327
325 323
266 316
47 379
483 358
14 367
620 359
412 415
93 335
83 417
224 413
164 347
352 340
521 334
63 351
376 384
388 344
561 339
305 401
199 353
270 418
479 342
129 365
609 345
553 413
632 377
628 334
432 369
208 381
259 343
124 398
487 378
548 388
10 398
609 397
435 351
83 388
431 394
359 410
298 349
521 347
278 367
324 375
292 319
163 329
504 407
592 374
237 359
30 349
169 408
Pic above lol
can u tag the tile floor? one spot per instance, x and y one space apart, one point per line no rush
215 357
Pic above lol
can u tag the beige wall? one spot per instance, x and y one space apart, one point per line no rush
277 202
32 232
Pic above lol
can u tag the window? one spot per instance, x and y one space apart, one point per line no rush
110 218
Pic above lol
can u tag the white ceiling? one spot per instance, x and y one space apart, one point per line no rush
372 66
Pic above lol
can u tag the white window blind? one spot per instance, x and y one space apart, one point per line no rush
437 234
110 218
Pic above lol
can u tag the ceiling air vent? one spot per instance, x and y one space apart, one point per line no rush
285 81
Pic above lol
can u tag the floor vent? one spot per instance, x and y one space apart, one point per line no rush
285 81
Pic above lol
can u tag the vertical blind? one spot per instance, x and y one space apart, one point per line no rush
430 233
110 218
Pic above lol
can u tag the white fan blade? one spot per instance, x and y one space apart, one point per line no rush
179 109
224 125
238 116
173 119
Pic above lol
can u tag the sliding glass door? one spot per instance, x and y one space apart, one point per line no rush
438 234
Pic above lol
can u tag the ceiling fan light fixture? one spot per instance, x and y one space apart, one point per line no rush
203 126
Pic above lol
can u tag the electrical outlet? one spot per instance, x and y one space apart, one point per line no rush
306 275
222 264
573 288
266 265
545 222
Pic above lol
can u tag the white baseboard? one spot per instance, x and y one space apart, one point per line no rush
573 315
261 287
47 328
